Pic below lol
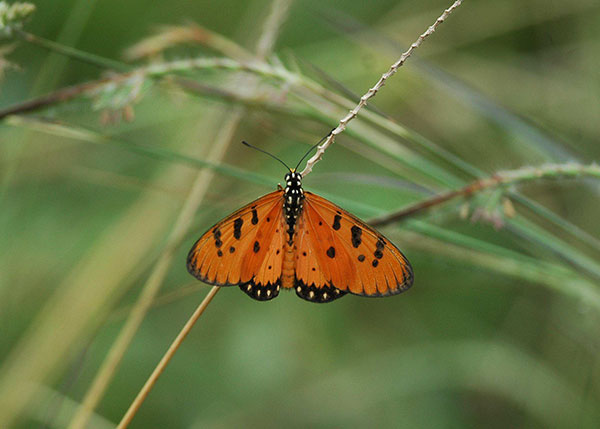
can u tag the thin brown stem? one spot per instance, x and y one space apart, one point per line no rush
373 91
503 178
266 42
152 285
63 94
434 201
139 399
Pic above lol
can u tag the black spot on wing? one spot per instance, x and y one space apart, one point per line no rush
336 222
379 246
256 247
331 252
237 228
356 236
217 237
375 262
254 217
361 258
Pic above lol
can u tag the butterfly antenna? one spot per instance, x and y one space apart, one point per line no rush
312 148
266 153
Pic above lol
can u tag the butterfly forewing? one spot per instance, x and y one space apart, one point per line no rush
243 249
356 258
263 261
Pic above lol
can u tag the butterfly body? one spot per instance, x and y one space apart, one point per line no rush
295 239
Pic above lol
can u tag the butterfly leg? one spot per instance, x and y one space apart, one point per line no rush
259 291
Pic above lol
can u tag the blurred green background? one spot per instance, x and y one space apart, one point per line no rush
102 195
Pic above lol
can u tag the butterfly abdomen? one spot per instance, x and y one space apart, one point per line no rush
288 269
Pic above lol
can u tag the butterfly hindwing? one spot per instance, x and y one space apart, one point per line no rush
244 249
347 254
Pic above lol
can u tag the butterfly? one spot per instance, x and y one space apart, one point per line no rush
293 239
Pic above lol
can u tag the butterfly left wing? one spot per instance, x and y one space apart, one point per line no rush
338 251
244 249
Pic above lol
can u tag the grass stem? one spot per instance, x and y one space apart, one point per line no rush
373 91
86 57
141 396
506 178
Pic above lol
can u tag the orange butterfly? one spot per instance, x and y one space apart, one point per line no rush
295 239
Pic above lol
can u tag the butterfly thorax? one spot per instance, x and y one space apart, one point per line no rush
293 200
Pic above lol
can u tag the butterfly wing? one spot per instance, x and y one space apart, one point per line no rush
244 249
336 250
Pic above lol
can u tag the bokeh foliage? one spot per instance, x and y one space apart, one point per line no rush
501 327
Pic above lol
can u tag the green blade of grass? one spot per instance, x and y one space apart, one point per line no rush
85 135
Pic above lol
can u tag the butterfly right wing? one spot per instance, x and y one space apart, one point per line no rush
244 249
339 252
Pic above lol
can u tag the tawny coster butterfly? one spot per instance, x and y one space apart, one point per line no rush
295 239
